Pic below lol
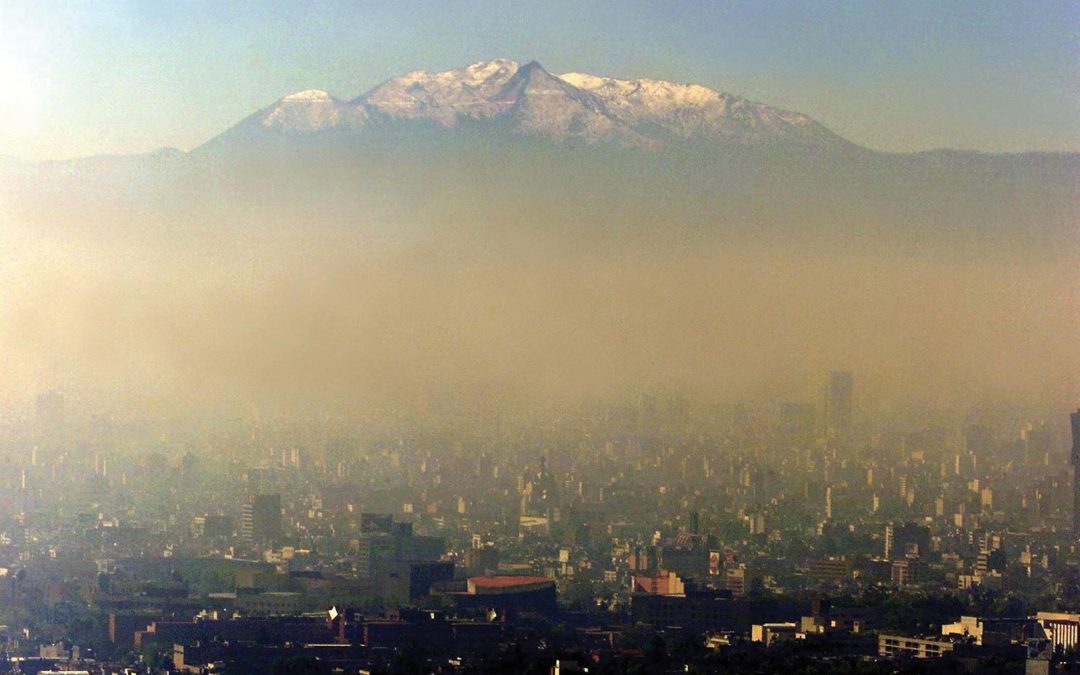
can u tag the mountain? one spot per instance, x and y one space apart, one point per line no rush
497 139
444 98
665 110
535 102
301 114
499 233
527 101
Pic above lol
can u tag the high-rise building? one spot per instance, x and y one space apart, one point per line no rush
838 404
906 539
374 552
260 518
383 542
1075 417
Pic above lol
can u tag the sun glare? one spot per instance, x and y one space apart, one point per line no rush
20 104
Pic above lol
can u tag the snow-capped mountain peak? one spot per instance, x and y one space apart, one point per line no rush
691 111
485 70
308 95
309 111
528 100
541 104
653 93
444 97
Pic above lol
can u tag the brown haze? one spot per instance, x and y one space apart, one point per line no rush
512 304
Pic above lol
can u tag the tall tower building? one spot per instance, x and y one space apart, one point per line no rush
1075 417
838 404
260 518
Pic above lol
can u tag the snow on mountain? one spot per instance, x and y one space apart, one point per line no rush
309 111
652 98
444 97
690 110
529 101
538 103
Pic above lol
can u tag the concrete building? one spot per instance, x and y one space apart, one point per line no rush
830 569
839 396
501 592
260 518
710 610
992 631
913 647
770 633
663 582
1061 627
411 580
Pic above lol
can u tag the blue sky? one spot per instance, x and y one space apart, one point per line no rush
118 77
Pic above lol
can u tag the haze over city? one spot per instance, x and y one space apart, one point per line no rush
681 337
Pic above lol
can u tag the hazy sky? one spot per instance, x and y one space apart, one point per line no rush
120 77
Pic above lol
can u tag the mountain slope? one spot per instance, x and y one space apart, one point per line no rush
525 100
499 138
445 98
665 109
538 103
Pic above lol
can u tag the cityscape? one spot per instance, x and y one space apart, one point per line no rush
652 536
542 337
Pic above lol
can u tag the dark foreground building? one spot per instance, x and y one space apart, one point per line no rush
710 611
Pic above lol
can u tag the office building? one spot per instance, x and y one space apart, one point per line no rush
838 405
260 518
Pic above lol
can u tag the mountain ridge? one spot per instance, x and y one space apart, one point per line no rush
528 100
637 113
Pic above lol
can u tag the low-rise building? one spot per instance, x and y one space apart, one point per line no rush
917 647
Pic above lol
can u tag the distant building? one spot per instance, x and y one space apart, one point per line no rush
830 569
383 543
662 582
770 633
707 610
374 552
481 560
260 518
735 579
411 580
913 647
992 631
500 592
824 617
1061 627
1075 418
124 625
906 539
839 396
906 571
